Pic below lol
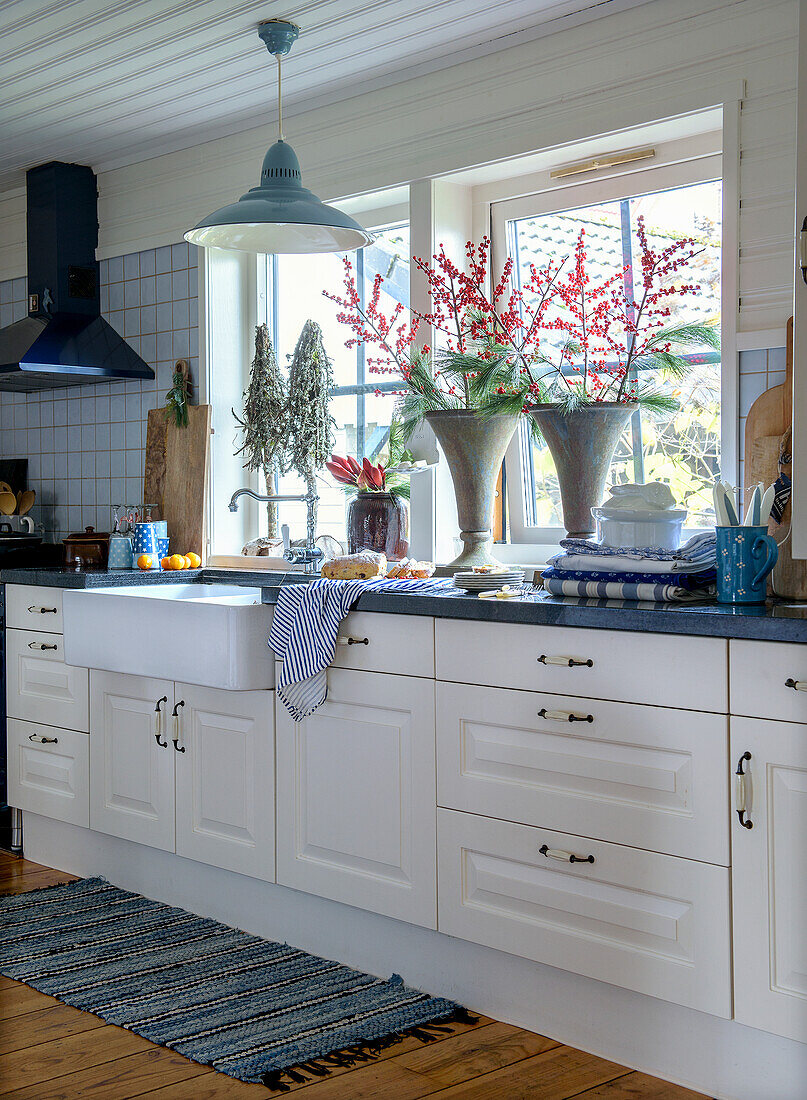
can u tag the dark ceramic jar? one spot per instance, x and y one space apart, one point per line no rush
380 522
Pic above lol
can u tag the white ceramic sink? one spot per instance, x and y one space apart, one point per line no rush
213 634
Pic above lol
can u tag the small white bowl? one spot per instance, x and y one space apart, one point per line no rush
639 529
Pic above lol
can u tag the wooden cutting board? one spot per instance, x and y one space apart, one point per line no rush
177 461
768 419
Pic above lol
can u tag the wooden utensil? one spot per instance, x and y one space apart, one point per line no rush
25 502
175 480
5 487
8 504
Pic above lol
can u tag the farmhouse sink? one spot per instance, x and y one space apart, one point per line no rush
212 634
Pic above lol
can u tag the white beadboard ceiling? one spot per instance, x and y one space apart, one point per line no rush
107 83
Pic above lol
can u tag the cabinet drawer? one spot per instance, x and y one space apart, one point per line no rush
660 669
759 675
48 771
34 607
650 777
40 686
399 644
651 923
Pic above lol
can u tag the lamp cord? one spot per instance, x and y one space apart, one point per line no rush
278 58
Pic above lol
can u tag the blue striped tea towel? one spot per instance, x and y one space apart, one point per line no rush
304 630
619 590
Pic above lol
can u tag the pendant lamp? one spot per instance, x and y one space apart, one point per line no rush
279 215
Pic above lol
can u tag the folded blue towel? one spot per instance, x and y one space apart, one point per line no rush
700 548
700 579
304 630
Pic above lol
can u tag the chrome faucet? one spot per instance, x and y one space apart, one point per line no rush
309 555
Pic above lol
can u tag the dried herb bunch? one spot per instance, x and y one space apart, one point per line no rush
309 424
265 419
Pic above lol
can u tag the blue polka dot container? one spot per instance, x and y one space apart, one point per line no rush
145 542
120 552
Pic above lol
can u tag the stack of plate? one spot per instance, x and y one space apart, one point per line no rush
484 582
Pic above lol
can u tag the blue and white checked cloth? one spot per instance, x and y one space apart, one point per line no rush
701 548
304 630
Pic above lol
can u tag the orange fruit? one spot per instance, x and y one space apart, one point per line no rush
194 559
177 561
165 563
187 561
144 561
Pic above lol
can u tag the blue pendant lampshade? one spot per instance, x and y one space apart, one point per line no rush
279 215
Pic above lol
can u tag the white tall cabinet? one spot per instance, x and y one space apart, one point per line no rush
769 876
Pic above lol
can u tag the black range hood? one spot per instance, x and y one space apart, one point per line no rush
64 340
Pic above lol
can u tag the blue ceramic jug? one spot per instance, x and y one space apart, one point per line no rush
745 557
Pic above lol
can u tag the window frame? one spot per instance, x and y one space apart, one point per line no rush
569 196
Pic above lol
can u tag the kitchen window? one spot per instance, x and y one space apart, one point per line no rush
290 291
682 448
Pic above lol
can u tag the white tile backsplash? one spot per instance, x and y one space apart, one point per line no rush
85 447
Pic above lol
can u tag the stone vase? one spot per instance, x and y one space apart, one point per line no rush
380 522
582 445
474 448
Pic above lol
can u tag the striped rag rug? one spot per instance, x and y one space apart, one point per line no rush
256 1010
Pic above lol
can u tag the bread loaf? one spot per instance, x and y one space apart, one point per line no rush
359 566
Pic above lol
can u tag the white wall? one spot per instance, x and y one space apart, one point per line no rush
656 61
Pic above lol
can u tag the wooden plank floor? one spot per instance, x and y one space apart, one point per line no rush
50 1051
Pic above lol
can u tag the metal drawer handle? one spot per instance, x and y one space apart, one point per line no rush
563 857
41 645
158 722
797 685
743 792
352 641
564 716
43 740
569 662
175 735
43 610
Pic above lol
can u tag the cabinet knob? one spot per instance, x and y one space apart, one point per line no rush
797 685
568 662
564 716
158 722
176 733
743 791
563 857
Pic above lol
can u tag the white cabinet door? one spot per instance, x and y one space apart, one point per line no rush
225 778
131 771
655 924
41 687
769 876
48 771
356 796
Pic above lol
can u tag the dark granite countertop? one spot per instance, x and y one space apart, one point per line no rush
775 621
